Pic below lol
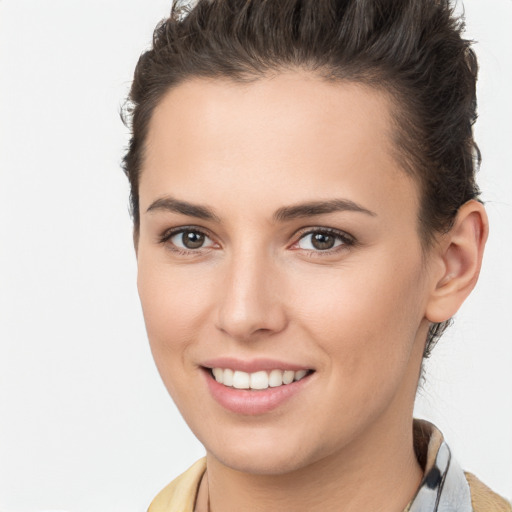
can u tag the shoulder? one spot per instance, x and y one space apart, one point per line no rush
180 494
484 499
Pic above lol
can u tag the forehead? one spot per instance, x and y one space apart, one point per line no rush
290 137
271 111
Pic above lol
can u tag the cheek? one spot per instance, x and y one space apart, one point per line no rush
173 304
366 324
366 321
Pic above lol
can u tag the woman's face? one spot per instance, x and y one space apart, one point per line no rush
279 234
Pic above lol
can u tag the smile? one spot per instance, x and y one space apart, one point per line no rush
252 388
257 380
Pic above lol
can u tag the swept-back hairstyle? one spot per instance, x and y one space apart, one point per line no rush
412 49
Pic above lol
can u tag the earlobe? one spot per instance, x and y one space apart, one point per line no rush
460 254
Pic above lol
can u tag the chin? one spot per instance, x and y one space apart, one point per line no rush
263 452
260 462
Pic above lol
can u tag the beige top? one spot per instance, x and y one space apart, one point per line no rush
180 494
444 487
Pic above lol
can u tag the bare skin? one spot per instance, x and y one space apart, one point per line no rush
237 160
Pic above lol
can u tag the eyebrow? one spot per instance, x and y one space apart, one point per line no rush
286 213
176 206
313 208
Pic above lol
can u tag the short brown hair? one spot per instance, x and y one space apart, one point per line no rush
413 49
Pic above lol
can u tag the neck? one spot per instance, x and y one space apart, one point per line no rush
378 472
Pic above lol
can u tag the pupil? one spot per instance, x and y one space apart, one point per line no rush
192 239
322 241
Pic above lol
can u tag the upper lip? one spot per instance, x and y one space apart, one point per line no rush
252 365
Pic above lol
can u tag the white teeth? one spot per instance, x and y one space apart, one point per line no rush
275 378
241 380
259 380
218 374
227 378
256 380
288 376
300 374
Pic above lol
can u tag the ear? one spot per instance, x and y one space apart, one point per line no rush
459 258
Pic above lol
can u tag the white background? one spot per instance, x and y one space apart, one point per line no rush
85 424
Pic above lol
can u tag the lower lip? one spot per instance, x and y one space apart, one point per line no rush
253 402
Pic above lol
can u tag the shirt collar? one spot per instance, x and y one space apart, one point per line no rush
444 487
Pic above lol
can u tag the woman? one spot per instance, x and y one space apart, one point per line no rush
306 222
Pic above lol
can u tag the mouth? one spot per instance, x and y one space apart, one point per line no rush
256 392
256 381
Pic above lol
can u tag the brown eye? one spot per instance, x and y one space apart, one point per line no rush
323 240
190 239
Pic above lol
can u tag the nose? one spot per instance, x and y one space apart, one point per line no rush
250 298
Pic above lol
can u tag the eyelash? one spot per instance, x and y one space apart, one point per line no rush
167 235
347 240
